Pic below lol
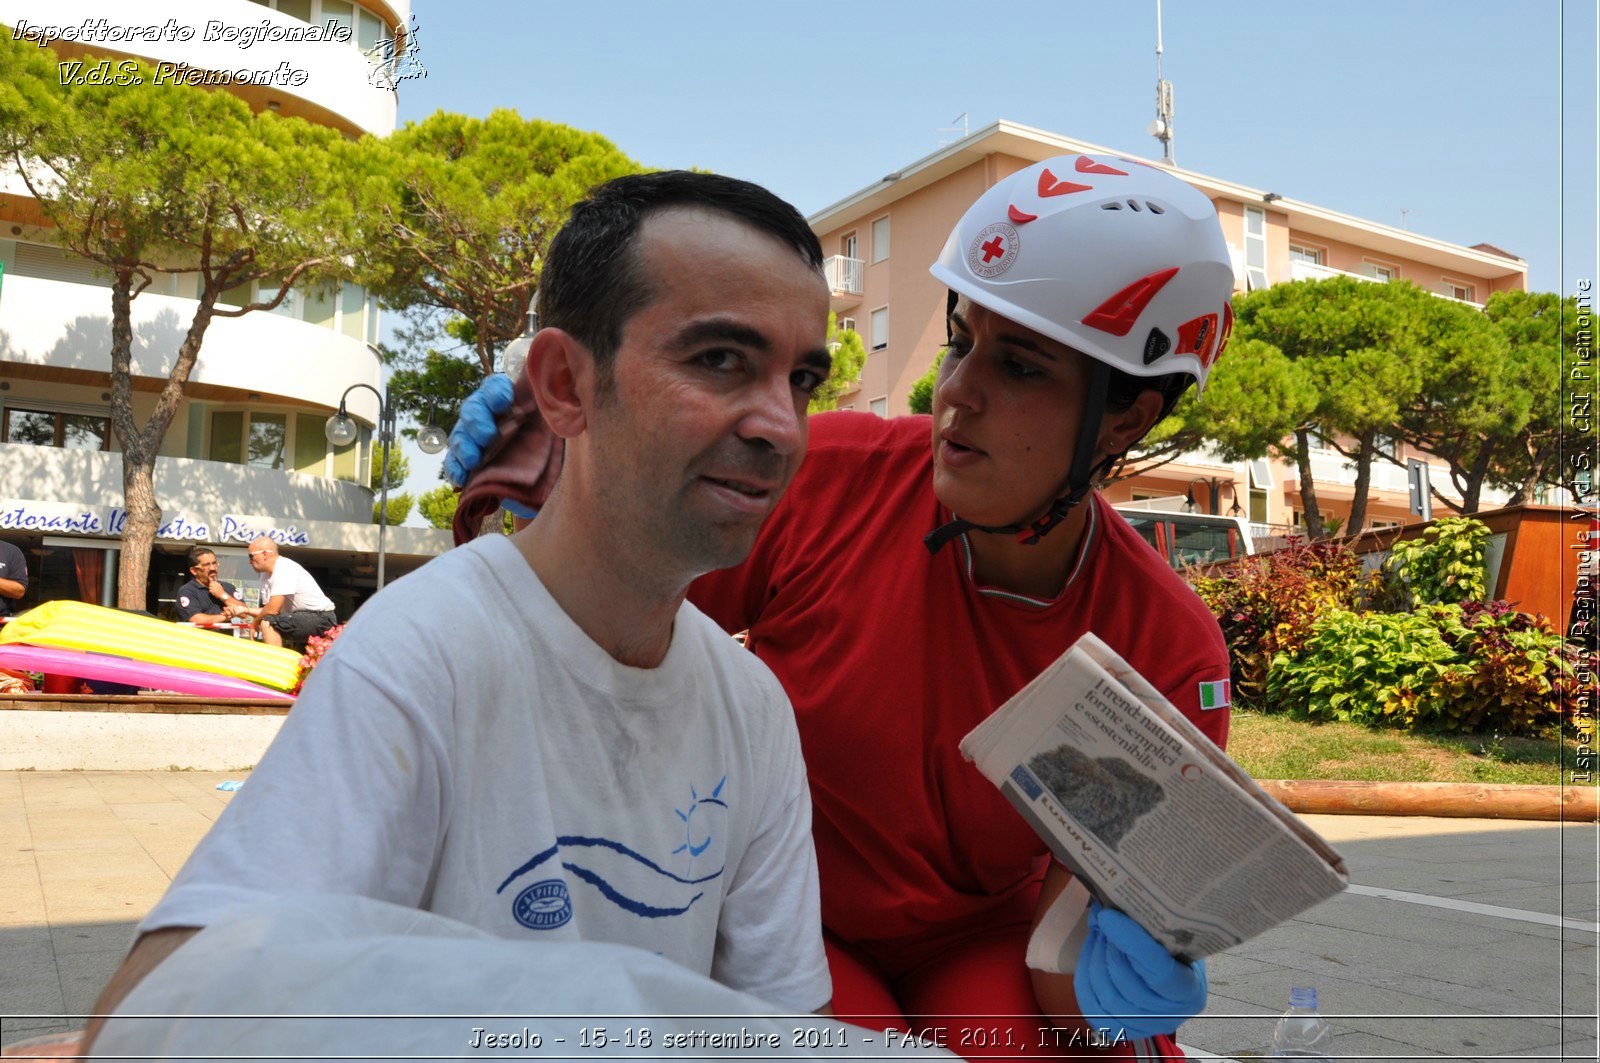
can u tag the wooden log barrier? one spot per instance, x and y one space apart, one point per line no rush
173 704
1573 804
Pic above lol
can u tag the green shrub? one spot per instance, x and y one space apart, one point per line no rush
1512 674
1456 668
1373 668
1445 565
1267 605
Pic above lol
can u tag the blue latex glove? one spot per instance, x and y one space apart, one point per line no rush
1125 980
475 428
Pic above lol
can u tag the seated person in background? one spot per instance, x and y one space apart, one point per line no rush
293 608
537 735
13 578
205 599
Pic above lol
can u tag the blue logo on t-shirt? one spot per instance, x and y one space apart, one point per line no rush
547 904
543 905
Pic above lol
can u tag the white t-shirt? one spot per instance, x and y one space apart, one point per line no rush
466 749
300 591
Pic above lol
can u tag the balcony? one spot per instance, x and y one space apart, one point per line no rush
1300 271
1330 468
64 325
845 280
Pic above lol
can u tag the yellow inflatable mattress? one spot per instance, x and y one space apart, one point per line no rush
78 626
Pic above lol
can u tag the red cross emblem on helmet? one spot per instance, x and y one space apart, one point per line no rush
994 249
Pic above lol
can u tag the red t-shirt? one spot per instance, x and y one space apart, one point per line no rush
891 655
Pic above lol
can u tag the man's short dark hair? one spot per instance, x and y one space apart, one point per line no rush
197 552
592 283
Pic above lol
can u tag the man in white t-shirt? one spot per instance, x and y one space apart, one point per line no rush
537 735
293 607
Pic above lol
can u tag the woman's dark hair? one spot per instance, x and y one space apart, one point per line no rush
592 283
1124 388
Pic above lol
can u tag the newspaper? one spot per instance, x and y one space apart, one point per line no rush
1151 817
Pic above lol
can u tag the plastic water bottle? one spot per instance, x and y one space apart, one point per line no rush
1302 1033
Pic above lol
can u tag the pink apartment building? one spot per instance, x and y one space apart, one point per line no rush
880 240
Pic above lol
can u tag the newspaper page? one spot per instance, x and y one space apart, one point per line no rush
1147 812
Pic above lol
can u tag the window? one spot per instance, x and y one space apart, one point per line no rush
310 445
341 13
293 301
238 295
1255 247
1311 255
1387 444
880 406
1258 506
227 436
847 246
55 428
880 329
1378 271
268 433
1459 290
880 239
251 437
1317 441
1200 544
53 264
321 306
1260 489
369 28
847 324
350 311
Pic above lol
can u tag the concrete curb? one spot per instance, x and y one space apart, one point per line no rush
1571 804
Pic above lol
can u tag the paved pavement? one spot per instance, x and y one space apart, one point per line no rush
1460 939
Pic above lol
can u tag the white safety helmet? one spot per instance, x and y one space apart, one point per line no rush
1115 258
1112 257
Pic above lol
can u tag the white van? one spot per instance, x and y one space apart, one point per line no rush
1190 538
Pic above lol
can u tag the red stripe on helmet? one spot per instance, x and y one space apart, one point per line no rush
1088 165
1020 217
1117 314
1225 334
1198 337
1049 186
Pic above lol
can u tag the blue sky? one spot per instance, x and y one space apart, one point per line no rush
1471 116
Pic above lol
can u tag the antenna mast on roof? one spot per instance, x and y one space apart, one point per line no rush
953 128
1161 128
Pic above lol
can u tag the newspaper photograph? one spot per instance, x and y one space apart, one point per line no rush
1150 816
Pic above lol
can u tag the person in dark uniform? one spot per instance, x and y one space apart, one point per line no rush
13 578
205 598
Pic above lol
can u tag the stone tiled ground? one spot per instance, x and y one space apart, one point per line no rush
83 855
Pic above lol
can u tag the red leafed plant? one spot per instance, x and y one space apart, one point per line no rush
316 646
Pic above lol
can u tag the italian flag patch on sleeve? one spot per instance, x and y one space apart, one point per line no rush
1215 695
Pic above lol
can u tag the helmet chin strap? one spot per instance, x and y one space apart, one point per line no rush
1079 481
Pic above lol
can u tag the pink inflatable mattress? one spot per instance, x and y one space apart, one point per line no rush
143 674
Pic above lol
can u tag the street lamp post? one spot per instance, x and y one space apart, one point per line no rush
1214 485
516 352
341 432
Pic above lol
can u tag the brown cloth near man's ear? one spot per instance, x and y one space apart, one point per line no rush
522 464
